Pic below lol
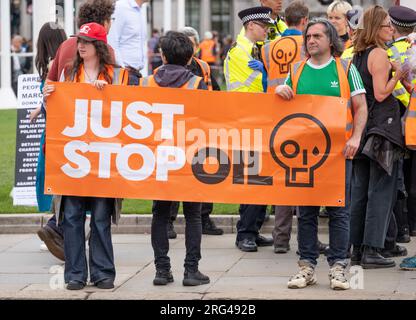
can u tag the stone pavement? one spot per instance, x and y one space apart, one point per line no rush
26 272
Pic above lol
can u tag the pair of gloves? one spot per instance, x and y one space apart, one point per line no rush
258 66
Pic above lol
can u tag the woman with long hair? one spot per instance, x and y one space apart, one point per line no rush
50 38
92 64
375 168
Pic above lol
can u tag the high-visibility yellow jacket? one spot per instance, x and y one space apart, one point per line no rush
275 32
397 51
238 75
348 53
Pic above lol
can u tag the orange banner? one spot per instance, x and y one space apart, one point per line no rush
191 145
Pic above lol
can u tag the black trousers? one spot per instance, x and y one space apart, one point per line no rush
410 183
193 234
251 220
373 194
206 210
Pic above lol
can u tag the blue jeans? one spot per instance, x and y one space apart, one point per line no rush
101 257
339 228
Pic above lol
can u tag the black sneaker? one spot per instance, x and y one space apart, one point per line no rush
397 251
194 278
323 248
162 278
171 231
105 284
209 227
75 285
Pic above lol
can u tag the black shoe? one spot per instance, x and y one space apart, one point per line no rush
105 284
209 227
246 245
323 248
194 278
53 241
397 251
162 278
372 259
75 285
171 231
403 238
262 241
412 233
356 256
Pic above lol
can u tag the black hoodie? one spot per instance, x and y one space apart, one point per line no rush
175 76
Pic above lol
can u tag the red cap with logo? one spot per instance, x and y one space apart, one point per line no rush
92 31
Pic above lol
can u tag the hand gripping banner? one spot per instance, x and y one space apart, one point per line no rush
192 145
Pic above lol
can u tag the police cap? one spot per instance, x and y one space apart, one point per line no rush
261 14
403 16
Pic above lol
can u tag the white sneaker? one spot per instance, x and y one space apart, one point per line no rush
337 278
305 277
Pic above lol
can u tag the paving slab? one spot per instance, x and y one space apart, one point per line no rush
28 273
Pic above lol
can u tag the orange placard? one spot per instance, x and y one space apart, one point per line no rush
193 145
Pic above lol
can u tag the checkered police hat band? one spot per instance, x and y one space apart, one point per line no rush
256 16
403 24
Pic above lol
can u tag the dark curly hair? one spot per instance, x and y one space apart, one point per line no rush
97 11
104 59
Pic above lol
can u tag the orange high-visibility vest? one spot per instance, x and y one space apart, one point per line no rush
343 67
206 72
410 122
149 81
278 55
119 76
207 51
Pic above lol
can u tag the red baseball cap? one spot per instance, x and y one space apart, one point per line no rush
92 31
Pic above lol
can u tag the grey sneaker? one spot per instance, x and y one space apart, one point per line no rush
281 249
305 276
337 278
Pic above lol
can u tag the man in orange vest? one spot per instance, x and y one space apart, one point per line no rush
177 51
279 54
341 79
208 49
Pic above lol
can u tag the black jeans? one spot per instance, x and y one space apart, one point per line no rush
101 257
206 210
373 196
193 234
251 220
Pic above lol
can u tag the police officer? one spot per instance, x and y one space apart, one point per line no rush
404 21
277 27
244 72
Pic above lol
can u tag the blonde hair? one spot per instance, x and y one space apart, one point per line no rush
339 6
367 34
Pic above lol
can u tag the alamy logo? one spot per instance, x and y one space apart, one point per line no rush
334 84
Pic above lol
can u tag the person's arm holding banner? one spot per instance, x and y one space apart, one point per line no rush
360 113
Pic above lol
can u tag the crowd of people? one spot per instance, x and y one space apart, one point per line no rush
357 55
